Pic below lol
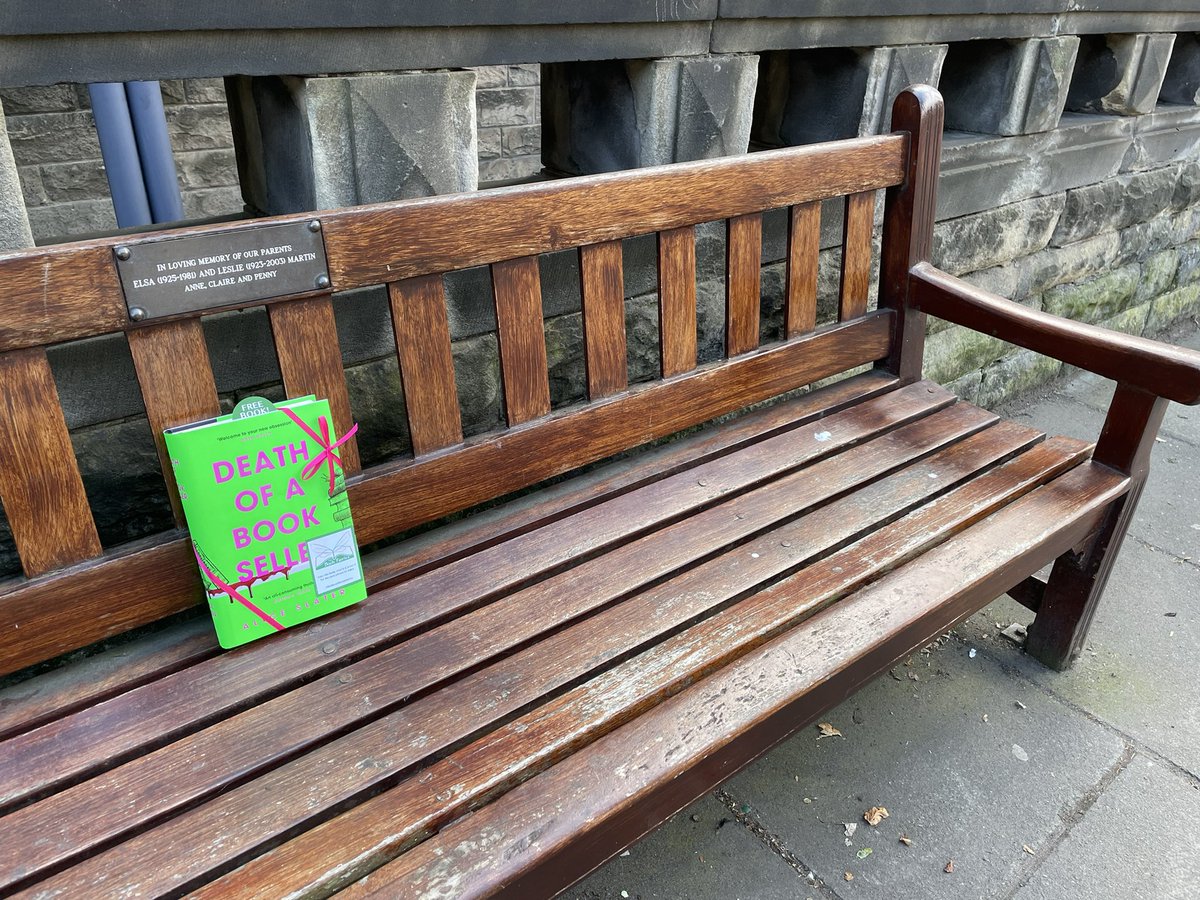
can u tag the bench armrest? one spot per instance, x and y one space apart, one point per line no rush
1160 369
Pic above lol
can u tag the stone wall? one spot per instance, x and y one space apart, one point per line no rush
1070 182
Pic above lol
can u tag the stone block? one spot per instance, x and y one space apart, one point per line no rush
1012 375
1171 307
891 70
507 106
1189 263
1006 86
508 168
14 222
641 338
31 185
1127 321
523 140
1095 299
173 91
53 137
209 203
1181 83
615 114
1168 134
491 143
1187 187
205 90
1158 275
319 143
491 76
21 101
64 221
1145 238
206 169
86 180
1119 73
565 359
997 235
953 352
527 73
199 127
1115 204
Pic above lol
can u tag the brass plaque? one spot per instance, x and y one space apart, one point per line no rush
221 268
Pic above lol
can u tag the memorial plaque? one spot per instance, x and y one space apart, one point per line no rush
221 268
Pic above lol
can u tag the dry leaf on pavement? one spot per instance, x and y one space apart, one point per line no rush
827 730
949 870
875 815
906 840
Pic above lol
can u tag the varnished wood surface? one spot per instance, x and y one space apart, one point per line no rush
603 289
422 330
743 295
518 290
804 247
677 300
856 254
176 380
40 487
310 360
1159 369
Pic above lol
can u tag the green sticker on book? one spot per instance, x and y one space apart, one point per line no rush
266 504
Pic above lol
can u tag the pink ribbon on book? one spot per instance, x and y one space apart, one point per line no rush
233 594
326 455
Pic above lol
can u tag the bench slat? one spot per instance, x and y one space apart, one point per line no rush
40 486
375 244
383 825
310 361
743 266
856 254
677 300
603 289
587 807
422 329
79 745
804 248
651 612
517 285
176 380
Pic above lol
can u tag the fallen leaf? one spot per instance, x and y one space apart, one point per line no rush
864 852
875 815
906 840
848 876
827 730
1028 849
949 870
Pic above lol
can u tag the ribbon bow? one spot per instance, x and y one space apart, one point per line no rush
323 439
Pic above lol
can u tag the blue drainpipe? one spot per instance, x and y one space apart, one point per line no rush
132 128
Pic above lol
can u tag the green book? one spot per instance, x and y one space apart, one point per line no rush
269 517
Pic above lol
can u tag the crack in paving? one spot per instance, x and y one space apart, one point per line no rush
774 843
1071 818
1154 548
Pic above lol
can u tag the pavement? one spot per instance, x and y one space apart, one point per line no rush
1007 779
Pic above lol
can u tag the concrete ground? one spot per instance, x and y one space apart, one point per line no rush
1036 785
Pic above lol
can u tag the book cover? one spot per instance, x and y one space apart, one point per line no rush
265 500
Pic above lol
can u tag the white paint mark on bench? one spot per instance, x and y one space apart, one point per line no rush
822 436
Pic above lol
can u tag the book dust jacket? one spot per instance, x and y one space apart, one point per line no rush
265 500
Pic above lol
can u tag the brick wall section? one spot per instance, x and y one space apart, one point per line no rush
57 153
509 109
54 142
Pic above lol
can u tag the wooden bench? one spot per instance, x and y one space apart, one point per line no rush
531 688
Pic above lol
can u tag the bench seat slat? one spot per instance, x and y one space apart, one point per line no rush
176 380
888 497
40 486
381 825
520 842
310 361
677 300
73 747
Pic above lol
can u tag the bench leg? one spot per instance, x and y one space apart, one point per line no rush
1077 580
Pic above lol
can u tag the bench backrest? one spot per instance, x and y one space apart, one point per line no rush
75 592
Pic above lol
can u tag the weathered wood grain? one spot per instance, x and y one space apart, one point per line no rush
40 487
422 330
603 289
677 300
310 361
518 289
176 380
856 254
804 247
792 678
743 265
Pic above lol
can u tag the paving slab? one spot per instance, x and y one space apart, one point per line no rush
701 852
962 787
1138 842
1138 669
